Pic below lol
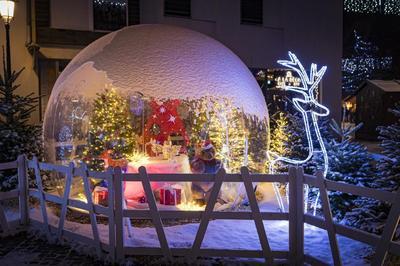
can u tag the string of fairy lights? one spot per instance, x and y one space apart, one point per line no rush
385 7
362 64
121 3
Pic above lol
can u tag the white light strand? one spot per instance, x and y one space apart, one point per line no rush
306 105
112 3
385 7
362 64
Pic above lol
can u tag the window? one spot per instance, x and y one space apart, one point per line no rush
178 8
251 12
109 15
49 71
133 12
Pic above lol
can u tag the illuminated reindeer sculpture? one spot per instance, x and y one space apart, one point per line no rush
310 110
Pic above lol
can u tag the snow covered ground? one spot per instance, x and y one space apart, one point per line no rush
233 234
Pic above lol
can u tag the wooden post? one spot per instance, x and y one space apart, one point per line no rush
388 232
118 218
296 216
67 188
330 227
111 215
292 216
42 200
256 215
23 187
155 215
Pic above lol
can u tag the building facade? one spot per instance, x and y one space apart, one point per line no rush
47 34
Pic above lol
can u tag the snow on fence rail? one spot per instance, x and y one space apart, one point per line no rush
118 216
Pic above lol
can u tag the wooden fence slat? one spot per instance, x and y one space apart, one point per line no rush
111 215
278 178
330 228
64 205
118 215
372 193
8 165
256 215
205 219
292 216
3 220
154 213
299 203
23 186
388 232
43 209
92 215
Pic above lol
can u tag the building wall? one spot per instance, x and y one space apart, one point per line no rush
20 56
310 28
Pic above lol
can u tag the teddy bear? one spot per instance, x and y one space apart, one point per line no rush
204 162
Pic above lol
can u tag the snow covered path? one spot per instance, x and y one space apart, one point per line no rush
232 234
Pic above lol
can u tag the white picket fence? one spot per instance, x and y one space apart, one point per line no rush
117 251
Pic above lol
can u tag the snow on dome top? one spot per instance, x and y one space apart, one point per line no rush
163 62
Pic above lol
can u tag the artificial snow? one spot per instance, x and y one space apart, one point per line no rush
164 62
231 234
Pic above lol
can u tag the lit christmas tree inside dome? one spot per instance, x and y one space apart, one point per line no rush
164 97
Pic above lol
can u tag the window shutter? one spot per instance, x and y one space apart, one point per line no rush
251 12
179 8
42 13
133 12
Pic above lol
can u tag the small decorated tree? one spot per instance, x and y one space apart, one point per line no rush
110 130
17 135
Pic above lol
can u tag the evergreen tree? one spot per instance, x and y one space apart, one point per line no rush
17 136
370 214
288 139
349 162
389 167
109 129
364 63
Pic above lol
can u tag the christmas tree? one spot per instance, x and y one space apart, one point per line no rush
370 214
349 162
288 139
17 136
110 129
364 63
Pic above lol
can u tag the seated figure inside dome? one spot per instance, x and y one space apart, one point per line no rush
204 162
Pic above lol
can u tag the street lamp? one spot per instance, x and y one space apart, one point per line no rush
7 14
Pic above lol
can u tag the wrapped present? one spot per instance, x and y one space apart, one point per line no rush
170 195
100 195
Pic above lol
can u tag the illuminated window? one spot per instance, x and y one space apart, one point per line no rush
251 12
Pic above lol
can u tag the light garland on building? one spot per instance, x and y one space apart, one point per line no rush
362 64
310 108
112 3
385 7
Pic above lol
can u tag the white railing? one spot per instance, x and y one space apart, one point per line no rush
117 215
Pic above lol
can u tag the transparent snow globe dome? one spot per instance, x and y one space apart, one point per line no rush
173 85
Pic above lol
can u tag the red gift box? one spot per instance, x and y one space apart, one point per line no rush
100 195
170 195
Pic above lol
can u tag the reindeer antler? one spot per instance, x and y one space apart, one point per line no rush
309 82
297 66
315 78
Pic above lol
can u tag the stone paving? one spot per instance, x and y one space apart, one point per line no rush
24 249
27 249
